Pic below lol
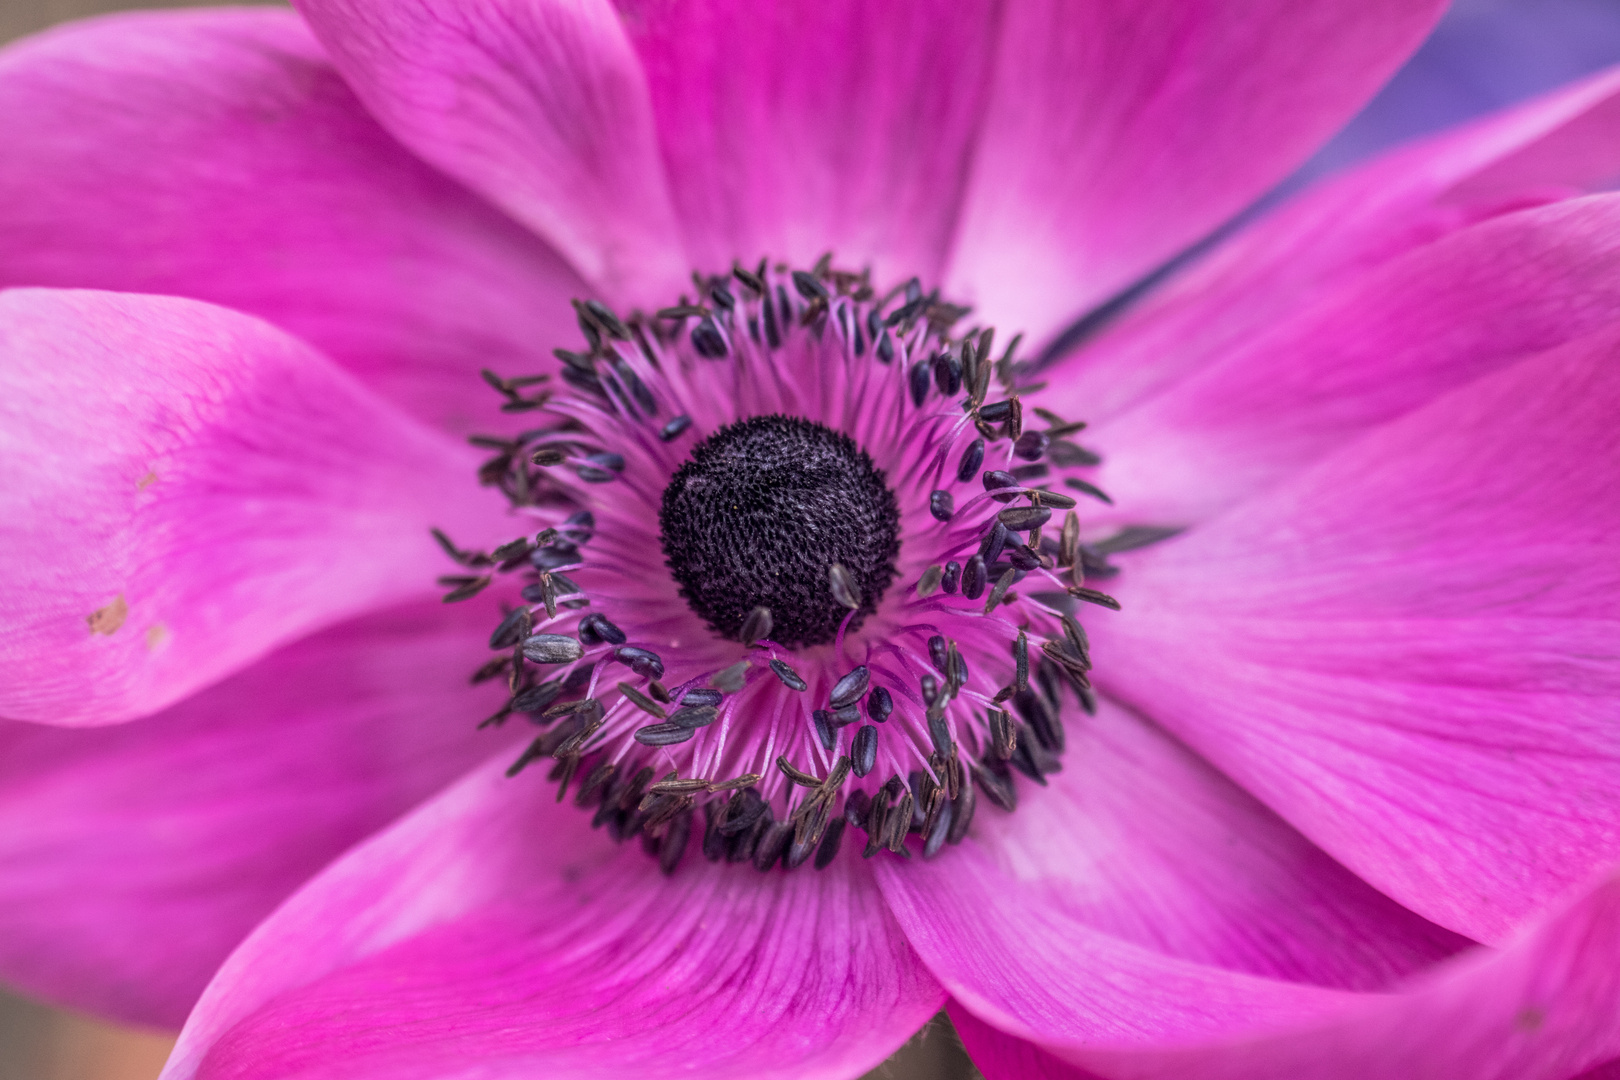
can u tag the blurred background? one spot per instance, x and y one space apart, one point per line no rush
1485 54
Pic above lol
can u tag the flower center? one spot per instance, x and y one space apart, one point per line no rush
774 433
759 516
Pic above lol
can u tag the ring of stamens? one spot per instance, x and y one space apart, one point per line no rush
768 748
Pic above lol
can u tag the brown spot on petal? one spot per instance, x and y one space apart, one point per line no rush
156 637
1530 1018
107 620
146 481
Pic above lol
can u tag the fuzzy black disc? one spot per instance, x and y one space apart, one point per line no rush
761 512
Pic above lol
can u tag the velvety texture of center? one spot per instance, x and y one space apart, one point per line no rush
760 514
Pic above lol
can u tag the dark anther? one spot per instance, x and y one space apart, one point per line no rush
930 690
942 505
756 626
1003 734
742 811
974 576
707 341
512 629
827 850
1024 518
1027 474
1021 662
1069 455
607 320
694 716
552 649
1023 557
808 286
996 783
702 696
595 629
665 734
826 734
997 478
673 429
1092 596
600 468
999 589
921 372
879 704
637 389
761 513
948 373
732 679
642 701
714 842
972 459
928 584
843 586
1031 445
885 348
994 541
952 577
790 678
675 841
995 412
937 649
773 844
849 689
863 753
722 296
1132 537
643 662
536 698
773 334
1054 500
1090 489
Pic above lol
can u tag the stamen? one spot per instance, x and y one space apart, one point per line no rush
839 601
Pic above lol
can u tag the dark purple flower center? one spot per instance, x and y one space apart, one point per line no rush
758 517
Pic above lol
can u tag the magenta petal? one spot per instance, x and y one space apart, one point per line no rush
1395 339
217 155
1119 131
794 129
494 925
1541 1009
540 105
1409 651
187 488
134 859
1139 839
1341 229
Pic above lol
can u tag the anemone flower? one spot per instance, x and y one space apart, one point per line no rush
778 701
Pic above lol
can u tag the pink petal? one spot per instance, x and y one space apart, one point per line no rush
1413 329
1409 651
187 489
1118 132
1541 1009
132 860
794 129
1140 840
1340 230
216 154
494 926
540 105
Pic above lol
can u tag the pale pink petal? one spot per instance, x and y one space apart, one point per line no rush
1561 144
187 488
493 930
799 128
216 154
1543 1008
134 859
1119 131
1415 328
1139 839
541 105
1410 651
